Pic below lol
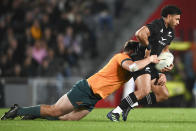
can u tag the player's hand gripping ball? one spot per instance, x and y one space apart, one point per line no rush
166 60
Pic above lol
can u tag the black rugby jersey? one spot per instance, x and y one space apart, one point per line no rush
160 36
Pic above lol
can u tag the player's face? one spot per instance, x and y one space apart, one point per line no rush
174 20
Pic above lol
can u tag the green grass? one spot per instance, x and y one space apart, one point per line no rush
140 119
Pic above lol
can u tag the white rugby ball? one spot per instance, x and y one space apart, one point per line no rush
166 59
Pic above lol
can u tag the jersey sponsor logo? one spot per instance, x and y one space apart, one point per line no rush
163 39
147 69
162 43
161 30
169 34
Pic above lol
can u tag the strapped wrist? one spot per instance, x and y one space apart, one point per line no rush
148 47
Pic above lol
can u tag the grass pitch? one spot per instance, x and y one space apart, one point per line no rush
140 119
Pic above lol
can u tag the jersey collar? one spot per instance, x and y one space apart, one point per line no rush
163 23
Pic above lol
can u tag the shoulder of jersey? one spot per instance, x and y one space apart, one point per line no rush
157 25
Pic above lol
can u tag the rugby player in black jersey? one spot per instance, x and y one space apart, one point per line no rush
156 38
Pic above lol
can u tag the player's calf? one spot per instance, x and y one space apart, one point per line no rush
148 99
50 110
162 93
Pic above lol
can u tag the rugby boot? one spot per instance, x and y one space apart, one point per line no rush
11 114
113 116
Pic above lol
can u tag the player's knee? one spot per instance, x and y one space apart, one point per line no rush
144 92
162 98
164 95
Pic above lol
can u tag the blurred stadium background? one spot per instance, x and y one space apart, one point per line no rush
47 45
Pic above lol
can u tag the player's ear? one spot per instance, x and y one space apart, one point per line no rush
169 17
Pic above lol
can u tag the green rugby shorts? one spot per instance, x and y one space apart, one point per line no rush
81 95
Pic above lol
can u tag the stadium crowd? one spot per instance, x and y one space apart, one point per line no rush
48 37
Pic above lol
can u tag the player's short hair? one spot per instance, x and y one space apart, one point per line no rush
170 10
130 45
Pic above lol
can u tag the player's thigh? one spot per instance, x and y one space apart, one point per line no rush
143 82
64 105
75 115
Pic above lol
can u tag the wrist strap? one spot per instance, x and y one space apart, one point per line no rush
148 47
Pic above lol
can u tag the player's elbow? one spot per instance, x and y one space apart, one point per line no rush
141 33
138 34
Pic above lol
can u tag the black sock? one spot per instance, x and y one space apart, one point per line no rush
149 99
32 110
128 101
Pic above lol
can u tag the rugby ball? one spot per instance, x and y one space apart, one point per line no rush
166 59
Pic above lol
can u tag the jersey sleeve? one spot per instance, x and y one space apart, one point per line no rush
153 27
120 58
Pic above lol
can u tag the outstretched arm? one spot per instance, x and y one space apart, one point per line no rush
140 64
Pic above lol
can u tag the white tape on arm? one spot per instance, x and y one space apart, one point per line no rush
133 67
